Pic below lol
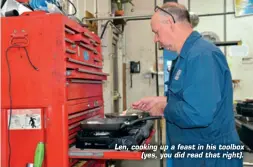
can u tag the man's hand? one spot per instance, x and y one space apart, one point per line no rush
154 105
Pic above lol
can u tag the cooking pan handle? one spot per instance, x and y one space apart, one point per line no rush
249 101
140 120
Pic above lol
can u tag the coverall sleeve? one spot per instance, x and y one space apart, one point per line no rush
201 93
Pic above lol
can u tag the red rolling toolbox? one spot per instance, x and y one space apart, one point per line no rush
51 77
51 80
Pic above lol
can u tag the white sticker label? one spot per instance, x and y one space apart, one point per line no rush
25 119
178 74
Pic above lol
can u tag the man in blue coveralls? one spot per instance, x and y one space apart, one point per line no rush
198 106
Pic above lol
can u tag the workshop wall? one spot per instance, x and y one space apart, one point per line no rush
140 46
104 10
237 29
241 28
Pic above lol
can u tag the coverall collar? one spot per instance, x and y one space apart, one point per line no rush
189 43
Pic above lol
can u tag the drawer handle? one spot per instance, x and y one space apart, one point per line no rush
96 60
85 81
92 72
94 51
92 41
82 63
83 113
70 51
69 41
87 35
86 46
68 72
69 31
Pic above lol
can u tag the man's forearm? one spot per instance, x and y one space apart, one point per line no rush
162 102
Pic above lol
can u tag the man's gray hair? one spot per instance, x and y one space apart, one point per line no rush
178 11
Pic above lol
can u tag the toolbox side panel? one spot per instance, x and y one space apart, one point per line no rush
22 86
24 77
44 88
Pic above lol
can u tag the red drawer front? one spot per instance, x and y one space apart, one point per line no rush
69 32
72 63
86 74
84 106
87 100
71 49
77 89
80 116
86 54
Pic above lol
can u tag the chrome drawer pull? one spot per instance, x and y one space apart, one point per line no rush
70 51
86 46
87 35
82 63
91 72
69 41
95 52
69 31
83 113
85 81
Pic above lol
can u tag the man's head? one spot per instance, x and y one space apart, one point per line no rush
171 25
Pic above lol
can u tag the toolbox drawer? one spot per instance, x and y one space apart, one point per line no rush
83 115
72 63
85 104
77 89
86 74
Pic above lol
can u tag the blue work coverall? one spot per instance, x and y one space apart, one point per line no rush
199 106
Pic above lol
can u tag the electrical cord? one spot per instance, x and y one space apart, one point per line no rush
73 7
106 24
3 2
10 93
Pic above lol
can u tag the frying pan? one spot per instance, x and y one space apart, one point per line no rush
111 124
128 116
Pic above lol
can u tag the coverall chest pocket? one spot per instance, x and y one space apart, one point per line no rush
176 85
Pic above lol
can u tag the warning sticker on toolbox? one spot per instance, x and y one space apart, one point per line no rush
25 119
